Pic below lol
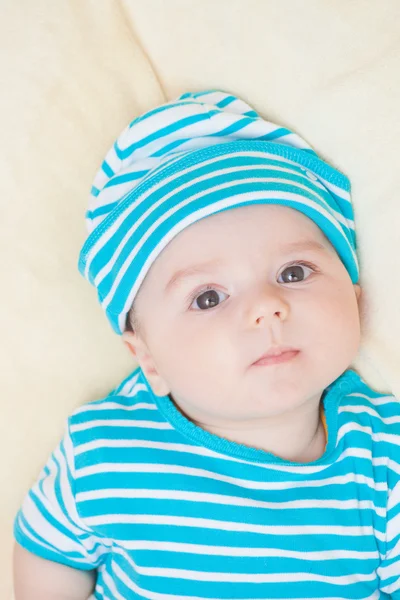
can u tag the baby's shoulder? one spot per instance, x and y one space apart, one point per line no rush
128 406
376 410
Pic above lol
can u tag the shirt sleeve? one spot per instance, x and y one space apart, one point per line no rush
48 523
389 571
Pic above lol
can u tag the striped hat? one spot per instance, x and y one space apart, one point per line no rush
199 155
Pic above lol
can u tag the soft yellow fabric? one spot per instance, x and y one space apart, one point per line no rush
74 73
73 77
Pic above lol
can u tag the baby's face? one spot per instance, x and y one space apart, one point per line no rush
257 276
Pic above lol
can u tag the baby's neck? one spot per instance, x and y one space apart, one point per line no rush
297 437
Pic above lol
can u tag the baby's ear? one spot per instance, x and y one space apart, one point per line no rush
130 340
138 347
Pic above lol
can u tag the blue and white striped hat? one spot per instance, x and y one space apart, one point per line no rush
199 155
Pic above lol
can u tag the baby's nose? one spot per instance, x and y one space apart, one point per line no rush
268 305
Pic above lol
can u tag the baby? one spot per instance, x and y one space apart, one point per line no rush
243 458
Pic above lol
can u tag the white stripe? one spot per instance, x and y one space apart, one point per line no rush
74 523
388 438
241 551
384 399
338 191
100 590
50 502
112 160
41 542
155 494
278 577
85 545
392 465
292 139
107 195
140 592
94 222
131 385
390 588
370 411
119 423
199 143
111 585
162 469
45 531
392 570
135 389
393 528
289 530
130 443
394 498
393 553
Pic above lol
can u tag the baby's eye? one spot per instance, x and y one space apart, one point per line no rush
207 298
295 273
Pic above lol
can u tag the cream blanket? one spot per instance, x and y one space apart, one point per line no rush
74 73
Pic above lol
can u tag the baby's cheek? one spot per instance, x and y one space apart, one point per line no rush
204 350
342 319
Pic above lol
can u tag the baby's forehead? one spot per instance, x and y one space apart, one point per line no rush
194 263
249 236
235 231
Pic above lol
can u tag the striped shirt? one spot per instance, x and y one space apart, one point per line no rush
165 510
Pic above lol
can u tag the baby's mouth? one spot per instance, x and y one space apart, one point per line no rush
276 355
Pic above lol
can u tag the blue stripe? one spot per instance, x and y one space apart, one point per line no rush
237 126
252 114
159 109
102 210
206 93
131 176
94 191
226 101
107 169
281 132
181 124
170 147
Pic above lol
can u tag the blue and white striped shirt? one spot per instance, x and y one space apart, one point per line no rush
165 510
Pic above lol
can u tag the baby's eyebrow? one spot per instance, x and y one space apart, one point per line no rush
207 266
189 271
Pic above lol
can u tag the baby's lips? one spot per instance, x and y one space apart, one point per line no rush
275 351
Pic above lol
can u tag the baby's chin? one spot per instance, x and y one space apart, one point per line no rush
273 394
257 391
304 371
246 408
